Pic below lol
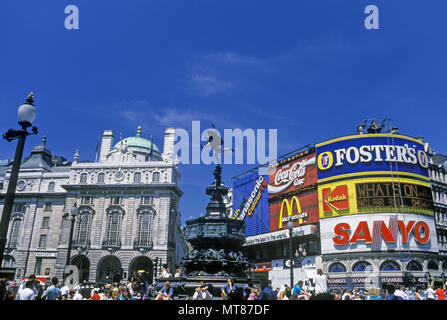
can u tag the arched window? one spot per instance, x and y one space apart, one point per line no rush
83 232
156 177
432 265
51 187
337 267
84 178
144 229
113 229
414 266
389 266
9 262
14 235
362 266
137 177
101 177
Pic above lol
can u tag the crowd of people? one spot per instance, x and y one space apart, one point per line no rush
138 287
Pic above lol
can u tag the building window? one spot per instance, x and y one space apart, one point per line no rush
43 241
87 200
101 177
337 267
84 178
14 236
9 262
144 225
116 200
389 266
414 266
47 206
137 177
156 177
147 200
362 266
38 266
83 233
20 207
113 228
51 187
46 222
432 265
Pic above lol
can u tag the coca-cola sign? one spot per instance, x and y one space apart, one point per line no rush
293 175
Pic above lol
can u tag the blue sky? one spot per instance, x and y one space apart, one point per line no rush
307 68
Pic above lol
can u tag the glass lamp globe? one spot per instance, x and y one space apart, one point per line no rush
27 112
74 211
290 225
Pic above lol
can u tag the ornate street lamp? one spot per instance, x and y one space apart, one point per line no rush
73 212
26 115
82 250
290 227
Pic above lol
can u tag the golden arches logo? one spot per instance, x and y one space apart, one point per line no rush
289 206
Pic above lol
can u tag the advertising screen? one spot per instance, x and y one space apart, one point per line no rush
380 154
302 209
374 195
292 192
383 232
292 175
250 203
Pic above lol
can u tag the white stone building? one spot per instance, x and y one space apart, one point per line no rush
128 216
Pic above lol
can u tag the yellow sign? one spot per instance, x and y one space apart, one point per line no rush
377 198
289 206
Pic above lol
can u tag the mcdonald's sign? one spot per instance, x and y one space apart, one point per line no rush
286 204
302 209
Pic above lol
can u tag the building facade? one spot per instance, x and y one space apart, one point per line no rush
128 211
380 202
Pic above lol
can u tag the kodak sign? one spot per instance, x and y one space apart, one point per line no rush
335 198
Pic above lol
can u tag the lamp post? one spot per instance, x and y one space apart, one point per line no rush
290 227
26 115
82 250
73 212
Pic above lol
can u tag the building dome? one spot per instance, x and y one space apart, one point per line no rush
138 142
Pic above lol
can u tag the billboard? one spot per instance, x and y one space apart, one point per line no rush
374 195
302 209
289 176
292 192
382 232
378 154
250 203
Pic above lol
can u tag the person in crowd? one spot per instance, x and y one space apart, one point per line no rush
28 292
125 295
74 295
321 285
298 290
247 289
166 293
373 294
430 293
346 295
53 292
440 293
418 294
178 273
267 292
65 290
229 290
391 296
95 295
400 292
202 292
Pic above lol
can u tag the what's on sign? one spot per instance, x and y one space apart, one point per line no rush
378 153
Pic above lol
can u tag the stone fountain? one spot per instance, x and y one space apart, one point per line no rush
216 241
